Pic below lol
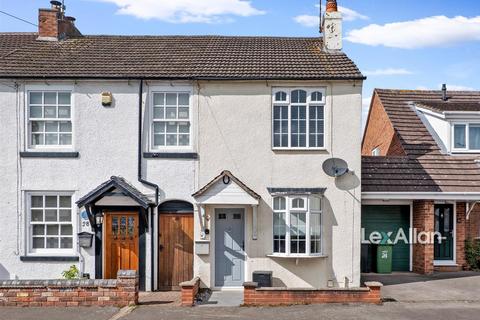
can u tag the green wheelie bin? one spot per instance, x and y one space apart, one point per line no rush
384 258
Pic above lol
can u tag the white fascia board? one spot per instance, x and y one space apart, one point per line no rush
437 114
450 115
466 196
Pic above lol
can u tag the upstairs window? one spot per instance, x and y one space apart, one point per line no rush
376 152
171 120
49 119
466 137
297 225
298 119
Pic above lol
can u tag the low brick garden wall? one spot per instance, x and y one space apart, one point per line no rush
254 296
119 292
190 291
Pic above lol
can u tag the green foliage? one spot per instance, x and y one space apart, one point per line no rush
71 273
472 253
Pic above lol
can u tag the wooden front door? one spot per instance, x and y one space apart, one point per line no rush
121 243
175 245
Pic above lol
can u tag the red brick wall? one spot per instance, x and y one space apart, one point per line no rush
461 233
190 291
423 220
473 223
72 293
48 23
253 296
380 133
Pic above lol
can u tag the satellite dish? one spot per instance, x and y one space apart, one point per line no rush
335 167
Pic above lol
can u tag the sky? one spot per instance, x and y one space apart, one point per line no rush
408 44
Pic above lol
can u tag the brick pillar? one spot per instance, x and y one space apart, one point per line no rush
249 290
190 291
473 223
128 283
423 220
461 233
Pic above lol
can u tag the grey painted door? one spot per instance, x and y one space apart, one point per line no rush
229 247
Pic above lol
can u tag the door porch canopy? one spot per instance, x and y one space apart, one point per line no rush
114 192
226 189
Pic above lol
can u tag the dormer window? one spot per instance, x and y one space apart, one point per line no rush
466 137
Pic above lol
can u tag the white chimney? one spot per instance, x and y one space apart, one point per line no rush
332 27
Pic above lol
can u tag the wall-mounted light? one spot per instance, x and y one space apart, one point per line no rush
107 99
99 219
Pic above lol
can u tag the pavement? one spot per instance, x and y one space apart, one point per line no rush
225 298
436 297
439 287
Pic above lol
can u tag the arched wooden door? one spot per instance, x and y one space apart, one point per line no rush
175 245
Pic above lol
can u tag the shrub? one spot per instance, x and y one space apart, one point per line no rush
472 253
71 273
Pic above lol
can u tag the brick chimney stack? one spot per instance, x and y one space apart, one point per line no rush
53 25
332 27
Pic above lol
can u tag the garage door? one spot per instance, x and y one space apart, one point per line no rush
389 219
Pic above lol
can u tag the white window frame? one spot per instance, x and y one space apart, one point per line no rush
28 130
287 103
172 89
467 137
29 238
288 211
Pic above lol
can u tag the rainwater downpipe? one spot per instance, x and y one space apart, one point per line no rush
144 181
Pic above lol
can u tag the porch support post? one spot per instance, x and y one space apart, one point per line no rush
203 221
254 222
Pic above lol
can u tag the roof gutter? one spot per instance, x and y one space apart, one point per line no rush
180 78
386 196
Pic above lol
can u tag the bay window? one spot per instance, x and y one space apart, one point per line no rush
49 119
50 223
297 225
466 137
298 119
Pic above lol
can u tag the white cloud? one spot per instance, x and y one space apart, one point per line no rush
388 72
307 20
186 11
427 32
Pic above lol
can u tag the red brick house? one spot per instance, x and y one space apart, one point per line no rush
420 171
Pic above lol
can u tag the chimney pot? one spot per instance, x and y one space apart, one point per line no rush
444 92
332 6
56 5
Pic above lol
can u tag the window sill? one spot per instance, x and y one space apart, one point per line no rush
48 154
170 155
300 149
49 258
297 256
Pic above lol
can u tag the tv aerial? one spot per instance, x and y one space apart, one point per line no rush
335 167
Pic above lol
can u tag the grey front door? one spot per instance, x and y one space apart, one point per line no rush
229 247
